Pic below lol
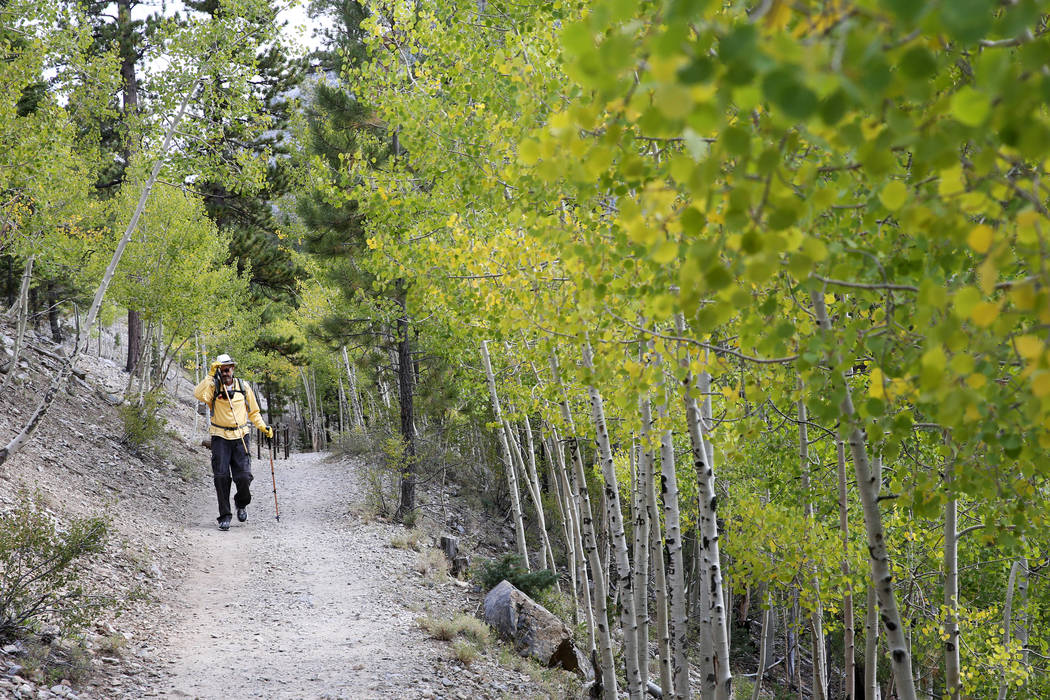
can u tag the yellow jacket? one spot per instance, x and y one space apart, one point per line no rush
229 419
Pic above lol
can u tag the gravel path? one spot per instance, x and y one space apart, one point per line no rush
311 606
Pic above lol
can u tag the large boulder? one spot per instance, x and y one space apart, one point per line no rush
533 630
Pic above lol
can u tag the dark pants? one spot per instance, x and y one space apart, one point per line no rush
230 462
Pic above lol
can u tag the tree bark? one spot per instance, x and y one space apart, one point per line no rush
881 573
848 631
677 622
52 312
951 585
820 669
406 395
20 311
590 544
537 500
763 648
624 584
508 458
718 679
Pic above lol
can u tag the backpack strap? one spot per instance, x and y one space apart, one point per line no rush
218 393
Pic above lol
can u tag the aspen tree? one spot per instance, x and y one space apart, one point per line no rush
590 543
624 586
512 479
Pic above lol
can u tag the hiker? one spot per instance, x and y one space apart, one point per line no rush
233 404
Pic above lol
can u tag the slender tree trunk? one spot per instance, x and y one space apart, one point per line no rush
601 617
357 415
579 560
881 573
537 500
820 672
20 310
718 679
406 390
656 548
1016 582
624 582
646 460
52 312
763 649
848 631
678 622
505 445
951 585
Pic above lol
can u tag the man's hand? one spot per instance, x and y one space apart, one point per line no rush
268 431
213 370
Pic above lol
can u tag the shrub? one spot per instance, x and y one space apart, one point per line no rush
409 539
356 442
143 424
464 651
40 576
509 567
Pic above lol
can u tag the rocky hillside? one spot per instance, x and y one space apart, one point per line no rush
326 603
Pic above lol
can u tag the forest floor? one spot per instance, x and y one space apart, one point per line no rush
325 603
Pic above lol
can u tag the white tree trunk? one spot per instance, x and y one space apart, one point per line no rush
848 631
96 303
624 585
656 548
590 543
871 645
512 479
951 585
718 679
881 573
820 668
644 475
678 622
357 415
20 311
1016 582
763 649
547 558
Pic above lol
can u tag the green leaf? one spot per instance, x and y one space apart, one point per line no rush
970 107
918 63
578 38
894 195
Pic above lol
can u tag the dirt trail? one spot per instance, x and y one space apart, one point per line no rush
311 606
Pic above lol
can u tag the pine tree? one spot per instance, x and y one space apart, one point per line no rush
340 127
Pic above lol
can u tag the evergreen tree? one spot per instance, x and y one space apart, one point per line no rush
374 312
255 220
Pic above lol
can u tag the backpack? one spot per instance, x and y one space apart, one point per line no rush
219 391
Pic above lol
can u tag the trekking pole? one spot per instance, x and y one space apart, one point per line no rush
273 476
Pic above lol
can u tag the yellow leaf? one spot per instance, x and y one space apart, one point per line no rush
664 252
985 313
987 275
1027 223
972 414
1041 383
980 238
976 381
952 182
1023 297
1028 346
875 388
894 195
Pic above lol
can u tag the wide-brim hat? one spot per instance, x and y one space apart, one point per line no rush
225 359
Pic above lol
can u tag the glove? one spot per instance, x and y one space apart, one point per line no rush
268 431
213 369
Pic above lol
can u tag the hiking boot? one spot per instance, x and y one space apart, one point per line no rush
224 523
242 515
